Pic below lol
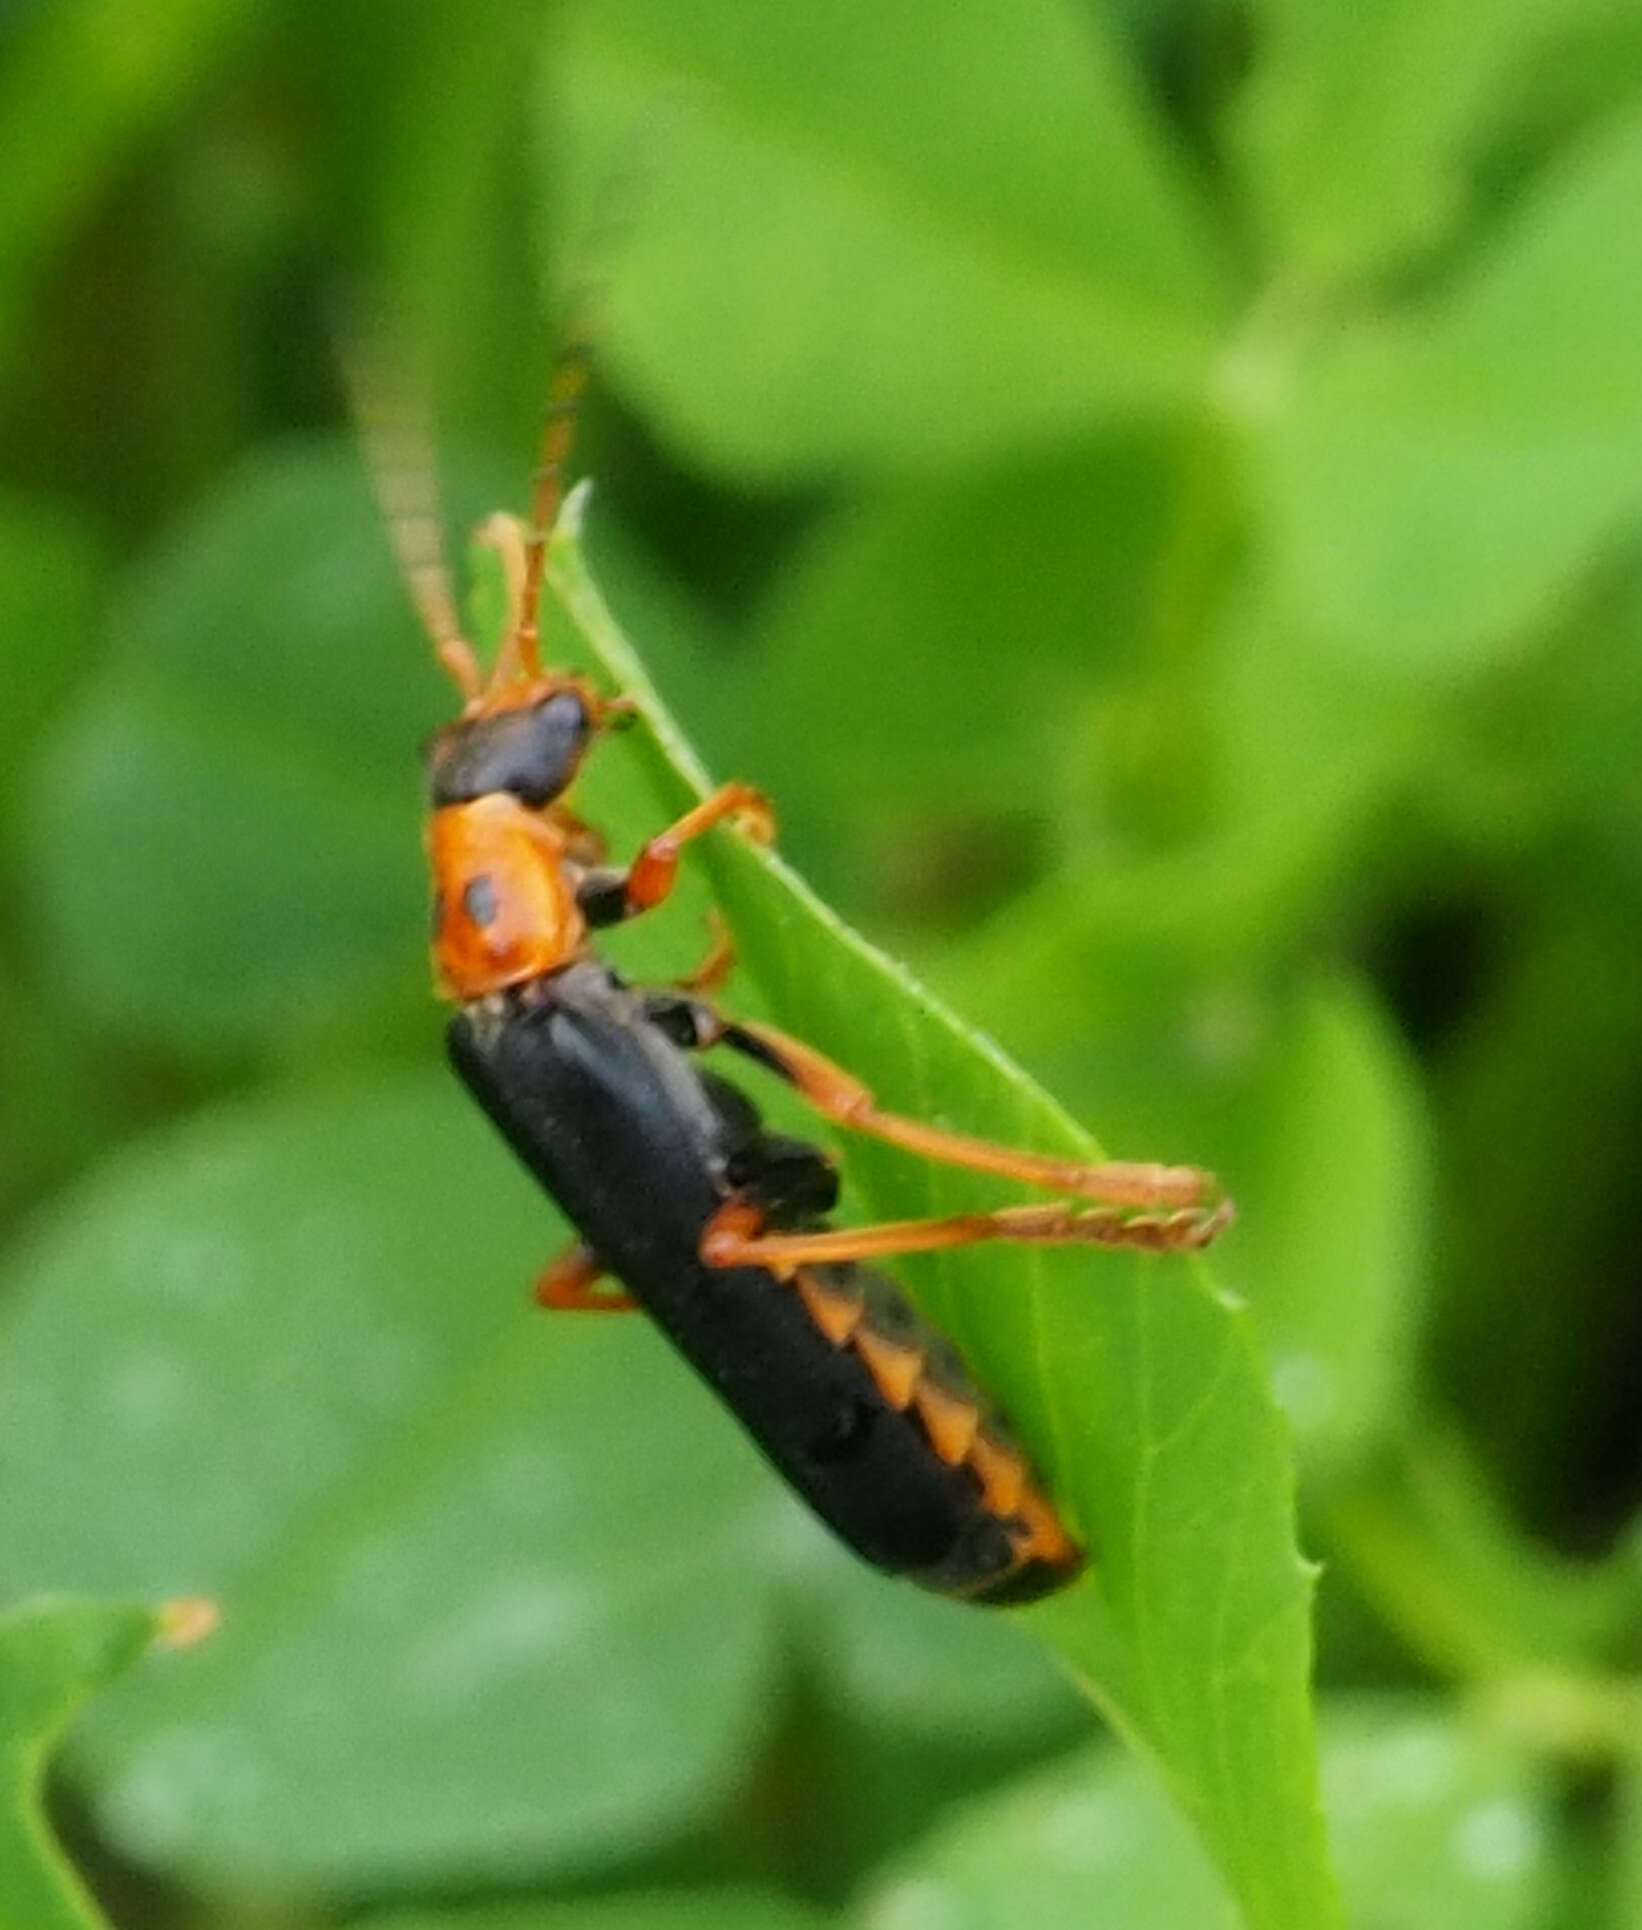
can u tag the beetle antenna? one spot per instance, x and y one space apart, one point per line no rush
617 202
569 384
398 451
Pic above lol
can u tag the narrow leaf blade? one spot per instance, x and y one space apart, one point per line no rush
54 1653
1138 1386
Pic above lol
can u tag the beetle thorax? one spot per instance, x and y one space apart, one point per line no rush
504 907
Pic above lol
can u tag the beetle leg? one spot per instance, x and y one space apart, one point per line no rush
735 1236
567 1286
607 897
717 966
583 845
839 1096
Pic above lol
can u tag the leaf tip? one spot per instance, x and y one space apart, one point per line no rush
573 514
185 1621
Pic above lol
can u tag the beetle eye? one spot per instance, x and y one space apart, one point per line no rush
532 754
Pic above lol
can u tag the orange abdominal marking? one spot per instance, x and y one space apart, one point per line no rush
949 1421
895 1368
1002 1474
953 1418
834 1309
1041 1536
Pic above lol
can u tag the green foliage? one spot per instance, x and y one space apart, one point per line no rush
53 1655
1152 494
1439 1824
1140 1385
351 1457
250 669
1049 269
676 1910
1434 484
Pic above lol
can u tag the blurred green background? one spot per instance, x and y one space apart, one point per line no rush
1153 491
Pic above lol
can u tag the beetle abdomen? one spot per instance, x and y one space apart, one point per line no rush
863 1408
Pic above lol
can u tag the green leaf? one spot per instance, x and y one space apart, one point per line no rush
1329 1150
59 1099
1435 1824
1089 1841
1626 1902
1587 724
54 1654
920 1667
1360 120
906 617
223 832
847 239
1138 1386
501 1594
1311 745
50 580
671 1910
1428 1540
1537 1100
497 1590
1434 488
1305 1102
1434 1820
85 80
1146 949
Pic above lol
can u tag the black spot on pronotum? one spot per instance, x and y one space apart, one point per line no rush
479 899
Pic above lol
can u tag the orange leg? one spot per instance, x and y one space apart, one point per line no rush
650 876
717 966
505 535
583 845
838 1096
567 1286
734 1237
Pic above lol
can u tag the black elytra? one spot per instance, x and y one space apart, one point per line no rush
640 1148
